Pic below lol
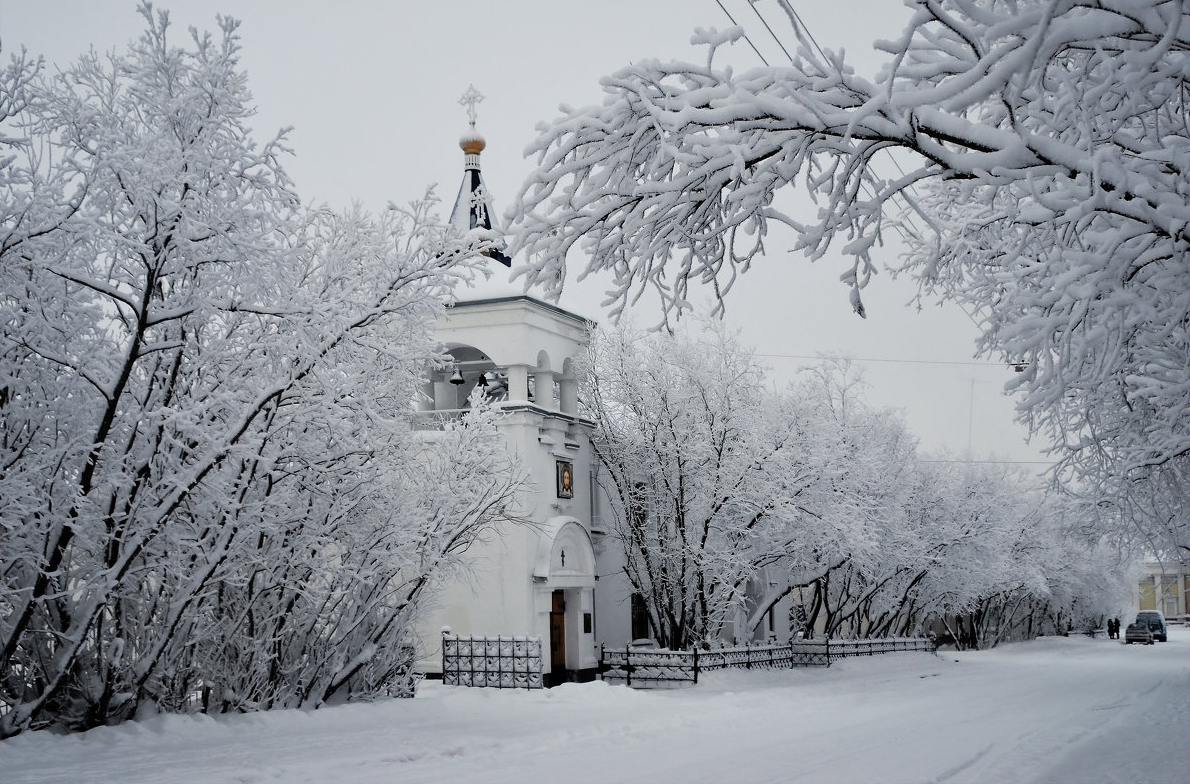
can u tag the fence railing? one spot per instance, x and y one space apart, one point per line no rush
660 668
840 649
492 662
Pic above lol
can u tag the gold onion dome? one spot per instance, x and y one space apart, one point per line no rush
472 142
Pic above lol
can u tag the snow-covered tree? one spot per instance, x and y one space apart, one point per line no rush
976 552
1042 162
209 483
730 497
713 476
874 464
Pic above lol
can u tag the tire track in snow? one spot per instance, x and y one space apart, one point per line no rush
962 766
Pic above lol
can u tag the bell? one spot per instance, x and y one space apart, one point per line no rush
483 381
457 378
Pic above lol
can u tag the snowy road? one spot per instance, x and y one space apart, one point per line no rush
1047 711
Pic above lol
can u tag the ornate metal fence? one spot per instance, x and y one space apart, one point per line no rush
648 667
494 662
659 668
844 648
798 654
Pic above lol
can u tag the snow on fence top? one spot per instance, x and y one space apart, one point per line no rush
654 668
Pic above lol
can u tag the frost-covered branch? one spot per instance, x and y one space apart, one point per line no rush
1044 153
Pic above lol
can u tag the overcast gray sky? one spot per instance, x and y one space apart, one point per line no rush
371 89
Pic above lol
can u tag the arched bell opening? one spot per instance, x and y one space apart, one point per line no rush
449 386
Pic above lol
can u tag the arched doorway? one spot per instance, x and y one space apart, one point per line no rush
564 575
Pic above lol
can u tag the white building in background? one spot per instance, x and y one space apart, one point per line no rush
536 579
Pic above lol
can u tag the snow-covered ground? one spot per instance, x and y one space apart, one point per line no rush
1052 710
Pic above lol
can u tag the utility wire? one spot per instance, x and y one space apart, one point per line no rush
764 22
992 462
746 38
985 363
801 28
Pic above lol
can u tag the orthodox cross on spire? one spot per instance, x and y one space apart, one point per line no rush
469 99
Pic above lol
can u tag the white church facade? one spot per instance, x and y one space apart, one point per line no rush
535 577
540 576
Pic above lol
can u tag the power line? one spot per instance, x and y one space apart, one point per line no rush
764 22
746 38
799 29
985 363
992 462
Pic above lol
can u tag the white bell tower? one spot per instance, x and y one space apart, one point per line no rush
534 580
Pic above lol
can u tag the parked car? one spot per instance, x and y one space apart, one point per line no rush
1138 631
1156 623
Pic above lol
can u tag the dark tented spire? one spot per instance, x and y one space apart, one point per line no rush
472 208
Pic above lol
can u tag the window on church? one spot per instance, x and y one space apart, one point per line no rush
598 524
640 617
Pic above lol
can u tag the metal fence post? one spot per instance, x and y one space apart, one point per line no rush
696 665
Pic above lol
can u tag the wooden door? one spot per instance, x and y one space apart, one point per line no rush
558 633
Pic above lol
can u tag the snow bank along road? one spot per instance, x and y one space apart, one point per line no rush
1050 710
